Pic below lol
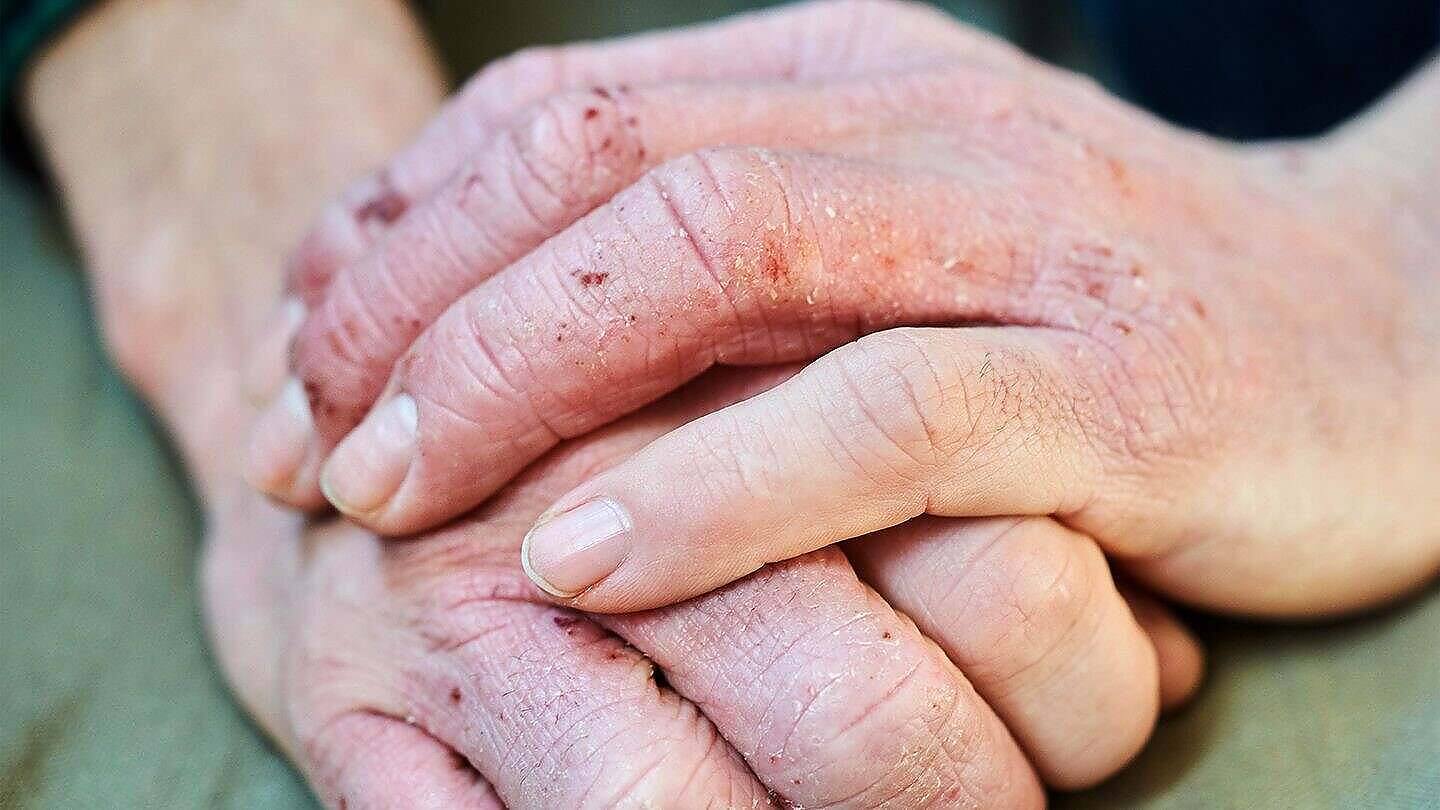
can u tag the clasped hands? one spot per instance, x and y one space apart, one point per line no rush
632 321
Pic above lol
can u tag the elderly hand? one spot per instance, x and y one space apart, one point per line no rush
1220 362
432 672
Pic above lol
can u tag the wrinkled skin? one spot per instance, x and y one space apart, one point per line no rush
1217 361
432 673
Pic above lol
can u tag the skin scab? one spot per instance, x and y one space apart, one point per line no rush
602 93
322 407
1123 327
590 278
385 207
591 113
456 696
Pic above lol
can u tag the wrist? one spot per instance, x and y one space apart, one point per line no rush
192 142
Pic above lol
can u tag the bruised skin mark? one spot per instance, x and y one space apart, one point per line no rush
324 408
385 207
590 278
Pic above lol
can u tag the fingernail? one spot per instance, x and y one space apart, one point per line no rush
569 552
368 467
281 441
265 369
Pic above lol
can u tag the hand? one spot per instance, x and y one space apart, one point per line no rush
1218 361
432 673
418 673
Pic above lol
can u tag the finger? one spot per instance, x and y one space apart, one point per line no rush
833 698
283 458
1181 655
551 709
799 43
946 421
1028 611
727 256
363 761
561 160
565 157
571 154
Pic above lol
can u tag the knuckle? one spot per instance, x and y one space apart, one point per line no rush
901 395
571 147
737 206
459 366
1033 602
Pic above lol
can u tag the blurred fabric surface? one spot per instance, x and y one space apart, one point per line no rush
108 697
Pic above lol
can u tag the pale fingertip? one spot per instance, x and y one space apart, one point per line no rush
568 552
281 442
366 470
268 362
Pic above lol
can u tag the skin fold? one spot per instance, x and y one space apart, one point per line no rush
433 673
1217 361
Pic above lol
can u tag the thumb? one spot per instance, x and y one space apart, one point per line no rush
954 422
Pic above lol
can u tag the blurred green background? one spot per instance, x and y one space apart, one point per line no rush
109 699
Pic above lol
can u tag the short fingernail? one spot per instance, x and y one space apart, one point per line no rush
281 441
571 551
370 464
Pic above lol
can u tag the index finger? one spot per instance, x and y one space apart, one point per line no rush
758 258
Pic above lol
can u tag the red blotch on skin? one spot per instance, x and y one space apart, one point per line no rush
1198 307
773 264
455 696
565 621
1123 327
590 113
591 278
601 92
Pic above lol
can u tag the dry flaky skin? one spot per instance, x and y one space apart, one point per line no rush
191 139
1219 361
